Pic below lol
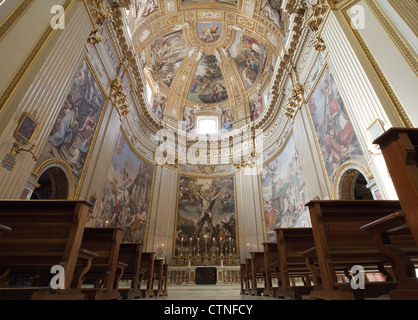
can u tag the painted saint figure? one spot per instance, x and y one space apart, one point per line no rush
206 215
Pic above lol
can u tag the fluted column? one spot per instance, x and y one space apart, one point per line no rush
162 217
361 95
41 93
250 226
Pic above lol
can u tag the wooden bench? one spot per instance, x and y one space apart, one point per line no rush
340 244
164 283
271 265
246 275
400 149
291 242
148 273
393 238
257 272
159 271
131 253
43 234
103 274
243 278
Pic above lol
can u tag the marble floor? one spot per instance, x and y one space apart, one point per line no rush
207 292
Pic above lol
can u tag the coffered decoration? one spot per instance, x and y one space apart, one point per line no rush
208 58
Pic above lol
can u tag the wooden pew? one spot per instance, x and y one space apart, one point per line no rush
257 271
103 273
148 274
43 234
247 276
340 244
291 242
243 278
393 238
271 265
159 277
164 283
400 149
131 253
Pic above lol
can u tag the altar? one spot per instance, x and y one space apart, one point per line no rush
206 275
200 275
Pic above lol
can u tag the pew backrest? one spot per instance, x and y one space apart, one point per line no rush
43 233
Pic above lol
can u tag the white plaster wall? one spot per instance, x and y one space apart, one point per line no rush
400 23
396 69
21 39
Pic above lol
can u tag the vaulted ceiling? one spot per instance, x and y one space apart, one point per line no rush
208 58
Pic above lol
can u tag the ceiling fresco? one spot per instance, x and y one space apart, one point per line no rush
208 58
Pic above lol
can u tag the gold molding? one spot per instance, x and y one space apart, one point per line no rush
409 16
27 63
133 149
151 197
14 17
410 56
261 200
313 129
377 70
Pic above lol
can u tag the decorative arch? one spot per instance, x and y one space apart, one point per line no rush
352 182
60 178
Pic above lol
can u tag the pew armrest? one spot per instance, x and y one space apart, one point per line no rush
120 266
4 229
391 223
310 253
87 256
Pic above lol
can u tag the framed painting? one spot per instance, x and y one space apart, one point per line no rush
206 215
127 192
283 192
336 138
75 129
26 129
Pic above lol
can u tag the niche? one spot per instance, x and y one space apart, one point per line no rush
53 185
354 186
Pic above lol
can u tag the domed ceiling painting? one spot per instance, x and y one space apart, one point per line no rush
208 58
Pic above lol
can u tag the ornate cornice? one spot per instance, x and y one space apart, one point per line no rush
131 59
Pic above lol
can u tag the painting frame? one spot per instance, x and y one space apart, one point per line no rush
211 178
101 218
290 141
84 63
26 129
326 73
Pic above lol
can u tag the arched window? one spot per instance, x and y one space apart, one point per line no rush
207 125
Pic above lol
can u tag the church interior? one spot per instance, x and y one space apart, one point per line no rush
221 149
